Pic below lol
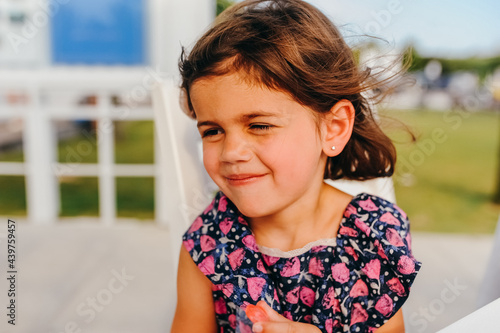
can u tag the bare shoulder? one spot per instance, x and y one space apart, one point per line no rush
195 307
333 194
335 202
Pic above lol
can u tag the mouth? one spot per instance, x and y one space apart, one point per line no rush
243 179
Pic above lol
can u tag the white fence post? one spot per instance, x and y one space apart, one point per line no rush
39 154
106 156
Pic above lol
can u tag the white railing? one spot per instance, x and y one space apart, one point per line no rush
41 168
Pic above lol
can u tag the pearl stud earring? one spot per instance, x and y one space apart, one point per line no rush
333 147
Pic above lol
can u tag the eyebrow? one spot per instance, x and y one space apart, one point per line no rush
206 123
251 116
243 118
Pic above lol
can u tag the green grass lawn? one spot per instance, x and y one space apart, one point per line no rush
445 180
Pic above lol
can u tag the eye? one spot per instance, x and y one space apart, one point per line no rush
211 132
261 127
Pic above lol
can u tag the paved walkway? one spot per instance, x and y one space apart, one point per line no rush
81 277
447 286
85 278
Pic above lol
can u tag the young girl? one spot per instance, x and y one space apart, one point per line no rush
278 101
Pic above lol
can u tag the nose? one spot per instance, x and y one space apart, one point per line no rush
235 149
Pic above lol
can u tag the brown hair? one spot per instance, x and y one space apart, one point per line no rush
289 45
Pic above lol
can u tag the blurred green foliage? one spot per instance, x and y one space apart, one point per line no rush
79 196
134 142
12 196
223 4
78 149
481 66
135 197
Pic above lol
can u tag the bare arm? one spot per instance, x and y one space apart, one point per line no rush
395 325
195 306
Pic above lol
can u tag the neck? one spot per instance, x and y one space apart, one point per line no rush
308 220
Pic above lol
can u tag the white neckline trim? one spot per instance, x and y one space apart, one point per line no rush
273 252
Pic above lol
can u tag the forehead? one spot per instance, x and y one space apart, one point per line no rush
238 94
235 90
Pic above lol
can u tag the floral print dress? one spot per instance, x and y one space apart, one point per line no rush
352 283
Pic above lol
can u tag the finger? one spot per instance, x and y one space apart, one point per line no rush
284 327
271 314
256 313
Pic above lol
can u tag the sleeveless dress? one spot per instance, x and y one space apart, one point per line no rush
352 283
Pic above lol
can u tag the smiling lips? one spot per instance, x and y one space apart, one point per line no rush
243 179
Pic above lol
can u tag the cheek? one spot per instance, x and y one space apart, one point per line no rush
301 154
295 158
210 159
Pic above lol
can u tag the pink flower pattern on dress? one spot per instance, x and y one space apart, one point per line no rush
225 226
349 287
291 268
329 300
368 205
292 296
349 250
340 273
255 286
232 321
227 289
288 315
358 314
207 243
394 238
316 267
260 266
220 306
359 289
189 244
223 204
207 266
406 265
372 269
236 258
348 231
395 285
270 260
249 242
307 296
384 305
196 225
389 219
362 226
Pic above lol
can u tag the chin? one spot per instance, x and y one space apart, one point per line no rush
251 210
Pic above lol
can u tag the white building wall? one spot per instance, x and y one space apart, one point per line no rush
24 33
25 42
176 23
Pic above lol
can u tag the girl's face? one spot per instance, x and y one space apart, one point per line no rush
263 149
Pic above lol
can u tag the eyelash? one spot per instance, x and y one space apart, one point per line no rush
257 127
211 132
261 127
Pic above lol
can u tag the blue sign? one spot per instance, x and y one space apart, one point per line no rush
99 32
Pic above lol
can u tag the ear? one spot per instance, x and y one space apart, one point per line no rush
337 125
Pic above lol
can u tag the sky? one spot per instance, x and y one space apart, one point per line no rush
439 28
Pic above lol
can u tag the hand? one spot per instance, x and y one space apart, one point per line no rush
266 320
